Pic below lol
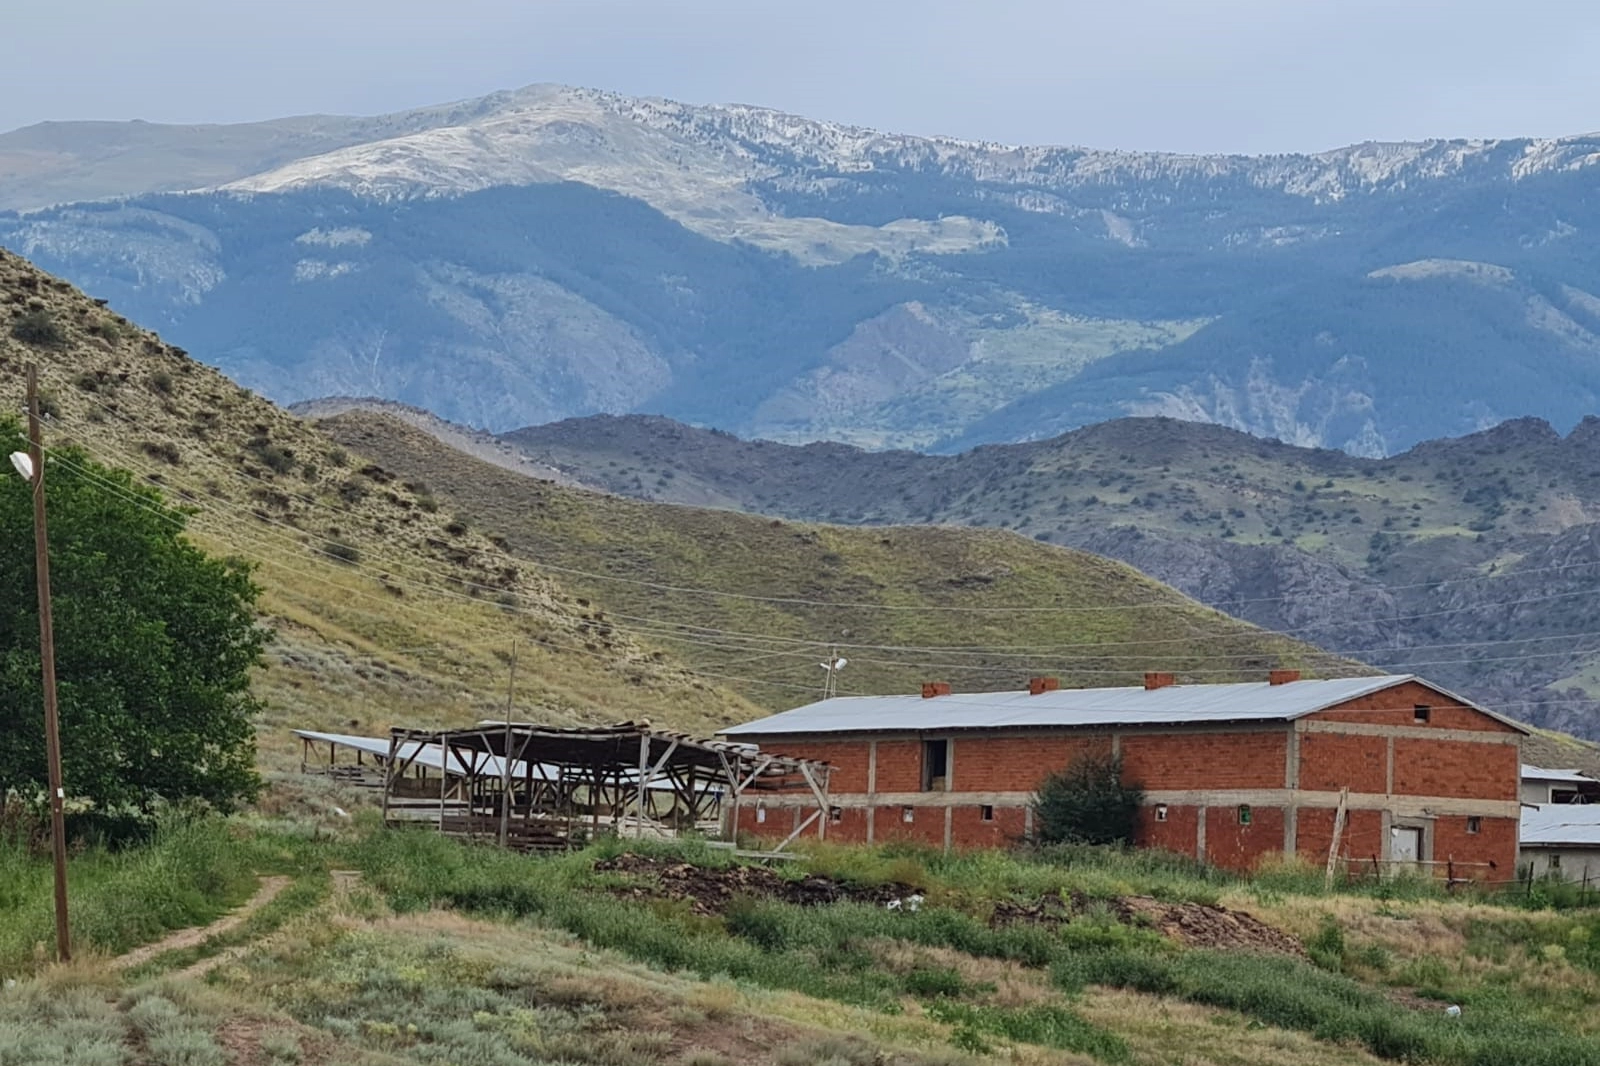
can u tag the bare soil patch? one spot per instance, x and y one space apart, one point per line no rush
709 890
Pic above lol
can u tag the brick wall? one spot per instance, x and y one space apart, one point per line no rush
1459 769
1206 760
927 826
1239 847
1393 707
1329 762
1176 834
1362 837
969 830
1012 764
1495 841
899 765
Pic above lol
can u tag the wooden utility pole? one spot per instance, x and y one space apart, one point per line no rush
1338 831
47 657
505 759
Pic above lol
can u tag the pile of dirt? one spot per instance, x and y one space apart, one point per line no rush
1199 925
709 889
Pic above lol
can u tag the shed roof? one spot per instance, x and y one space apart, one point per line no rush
1257 701
1540 773
1554 825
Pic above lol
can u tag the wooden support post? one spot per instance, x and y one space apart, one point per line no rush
388 775
505 774
801 828
1333 844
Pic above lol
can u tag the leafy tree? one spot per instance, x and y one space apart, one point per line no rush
155 641
1088 803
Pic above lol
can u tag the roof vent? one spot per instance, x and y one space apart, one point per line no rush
1154 681
1283 677
930 689
1039 685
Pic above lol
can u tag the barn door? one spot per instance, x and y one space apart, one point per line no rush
1405 845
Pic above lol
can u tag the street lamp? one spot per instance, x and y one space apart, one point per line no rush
30 465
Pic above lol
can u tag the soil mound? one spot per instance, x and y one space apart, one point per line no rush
709 889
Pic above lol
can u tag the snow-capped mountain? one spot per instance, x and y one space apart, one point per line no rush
553 251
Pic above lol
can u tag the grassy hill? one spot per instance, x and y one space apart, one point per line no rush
1471 560
765 599
386 609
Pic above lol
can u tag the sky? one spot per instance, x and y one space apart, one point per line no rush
1254 76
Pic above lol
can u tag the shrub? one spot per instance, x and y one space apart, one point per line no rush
1088 803
39 328
343 551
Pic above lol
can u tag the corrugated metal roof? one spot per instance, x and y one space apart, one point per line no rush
1539 773
432 756
1561 825
1086 707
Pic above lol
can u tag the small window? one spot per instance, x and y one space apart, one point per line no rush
1421 713
908 814
1161 812
1555 862
836 814
935 764
1244 814
761 815
1474 824
986 812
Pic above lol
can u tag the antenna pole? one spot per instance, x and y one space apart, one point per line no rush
47 659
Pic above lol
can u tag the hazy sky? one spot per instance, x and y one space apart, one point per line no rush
1184 75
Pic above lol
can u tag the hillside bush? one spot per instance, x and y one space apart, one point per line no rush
1088 803
38 327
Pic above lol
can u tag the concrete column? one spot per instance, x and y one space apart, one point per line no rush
949 828
872 790
1200 834
1388 768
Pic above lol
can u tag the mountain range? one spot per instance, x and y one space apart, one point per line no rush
1473 560
553 252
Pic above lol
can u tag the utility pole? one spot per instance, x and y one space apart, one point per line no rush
47 657
505 760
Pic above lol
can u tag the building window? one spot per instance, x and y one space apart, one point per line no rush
1474 823
835 814
1555 861
1161 812
986 812
761 815
1421 713
1244 814
935 764
908 814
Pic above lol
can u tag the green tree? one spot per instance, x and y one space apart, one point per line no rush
1088 803
155 642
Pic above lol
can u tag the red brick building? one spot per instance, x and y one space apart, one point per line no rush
1231 773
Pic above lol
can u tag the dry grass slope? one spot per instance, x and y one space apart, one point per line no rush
979 608
387 609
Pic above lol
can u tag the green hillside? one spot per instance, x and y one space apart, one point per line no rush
765 599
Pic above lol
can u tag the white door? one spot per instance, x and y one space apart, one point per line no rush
1405 844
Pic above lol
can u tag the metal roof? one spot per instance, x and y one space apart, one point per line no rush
1256 701
432 756
1561 825
1539 773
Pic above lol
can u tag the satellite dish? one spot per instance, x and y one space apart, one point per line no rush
23 463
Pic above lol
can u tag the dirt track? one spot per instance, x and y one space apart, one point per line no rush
192 937
708 890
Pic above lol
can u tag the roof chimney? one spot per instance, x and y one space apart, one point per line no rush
1153 681
1038 685
930 689
1282 677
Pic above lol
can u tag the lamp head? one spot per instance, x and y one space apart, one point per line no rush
24 465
